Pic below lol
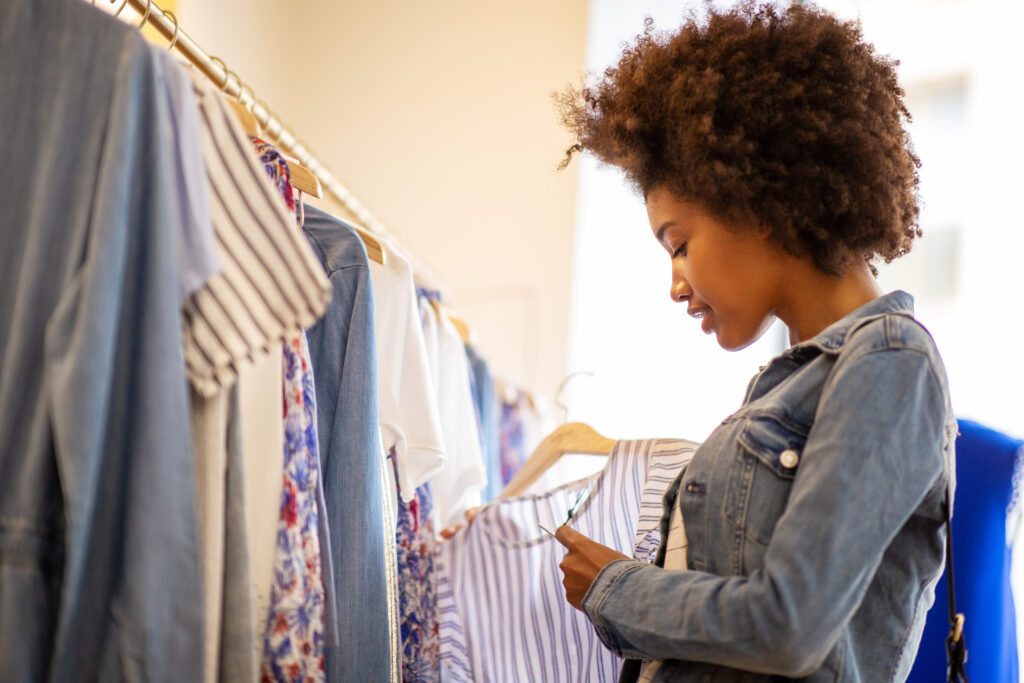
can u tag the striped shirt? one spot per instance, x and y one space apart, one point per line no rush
502 608
675 558
271 286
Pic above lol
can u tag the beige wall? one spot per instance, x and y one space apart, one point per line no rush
438 117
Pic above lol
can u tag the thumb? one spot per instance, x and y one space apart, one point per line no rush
566 535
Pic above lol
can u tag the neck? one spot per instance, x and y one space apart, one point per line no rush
816 300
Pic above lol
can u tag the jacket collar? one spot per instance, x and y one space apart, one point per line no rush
833 337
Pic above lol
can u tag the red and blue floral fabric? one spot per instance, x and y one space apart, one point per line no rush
277 169
293 645
293 648
417 592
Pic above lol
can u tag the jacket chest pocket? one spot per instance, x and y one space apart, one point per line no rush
767 456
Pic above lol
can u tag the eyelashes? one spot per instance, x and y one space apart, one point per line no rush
680 250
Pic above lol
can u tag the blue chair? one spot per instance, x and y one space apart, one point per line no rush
986 462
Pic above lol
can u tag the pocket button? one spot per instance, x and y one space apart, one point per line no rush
789 458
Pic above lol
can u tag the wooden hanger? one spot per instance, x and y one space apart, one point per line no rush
374 248
572 437
303 179
458 323
245 117
464 332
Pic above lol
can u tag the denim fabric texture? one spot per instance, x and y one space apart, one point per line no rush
343 351
814 516
99 573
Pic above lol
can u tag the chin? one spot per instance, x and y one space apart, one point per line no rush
732 341
732 345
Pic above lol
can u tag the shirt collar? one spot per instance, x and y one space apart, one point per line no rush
833 337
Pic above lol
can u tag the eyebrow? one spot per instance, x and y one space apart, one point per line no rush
661 231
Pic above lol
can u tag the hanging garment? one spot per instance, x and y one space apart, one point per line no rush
228 619
198 260
294 643
488 412
986 510
262 426
237 633
458 484
277 170
417 590
409 415
343 351
272 285
294 638
501 602
513 451
99 567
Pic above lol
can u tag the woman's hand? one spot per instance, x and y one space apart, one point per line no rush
582 563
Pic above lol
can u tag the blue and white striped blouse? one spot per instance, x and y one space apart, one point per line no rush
502 609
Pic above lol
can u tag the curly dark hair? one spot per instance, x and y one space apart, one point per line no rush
784 118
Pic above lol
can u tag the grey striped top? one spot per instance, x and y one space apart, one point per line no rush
271 285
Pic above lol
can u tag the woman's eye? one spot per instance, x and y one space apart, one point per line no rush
680 250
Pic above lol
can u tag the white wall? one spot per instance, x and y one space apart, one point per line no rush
657 374
438 117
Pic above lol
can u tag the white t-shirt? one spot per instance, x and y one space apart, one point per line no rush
407 397
457 486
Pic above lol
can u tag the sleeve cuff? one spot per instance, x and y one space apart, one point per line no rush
606 580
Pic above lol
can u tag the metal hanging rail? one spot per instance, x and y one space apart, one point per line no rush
166 23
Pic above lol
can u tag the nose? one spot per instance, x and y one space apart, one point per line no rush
680 290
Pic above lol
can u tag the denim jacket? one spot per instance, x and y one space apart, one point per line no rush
814 516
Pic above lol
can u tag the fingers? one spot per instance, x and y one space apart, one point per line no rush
566 535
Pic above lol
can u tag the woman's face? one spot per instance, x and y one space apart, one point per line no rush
729 276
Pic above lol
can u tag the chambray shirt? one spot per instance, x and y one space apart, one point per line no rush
343 351
814 515
99 572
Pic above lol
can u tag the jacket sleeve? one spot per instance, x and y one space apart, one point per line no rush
873 454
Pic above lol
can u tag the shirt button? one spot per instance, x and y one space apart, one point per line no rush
789 458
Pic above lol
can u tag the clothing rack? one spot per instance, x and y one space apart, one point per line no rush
166 24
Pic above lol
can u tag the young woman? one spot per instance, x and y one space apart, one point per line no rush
805 538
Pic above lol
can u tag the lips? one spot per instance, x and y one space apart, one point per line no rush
702 313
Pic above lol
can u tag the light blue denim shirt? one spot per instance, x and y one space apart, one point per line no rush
99 571
814 516
344 353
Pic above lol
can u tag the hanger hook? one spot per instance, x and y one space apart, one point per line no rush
174 38
561 388
242 87
224 68
119 9
227 81
145 17
262 105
